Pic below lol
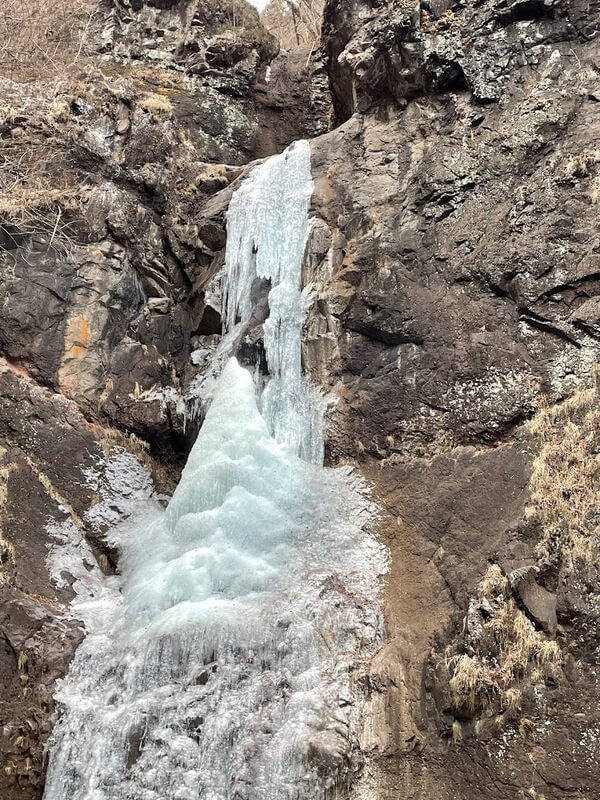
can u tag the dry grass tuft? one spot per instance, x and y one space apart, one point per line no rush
513 698
456 732
472 683
150 78
548 652
515 645
155 103
506 650
494 582
581 165
527 729
566 475
37 196
594 191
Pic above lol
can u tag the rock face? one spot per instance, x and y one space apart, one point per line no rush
455 254
63 482
455 257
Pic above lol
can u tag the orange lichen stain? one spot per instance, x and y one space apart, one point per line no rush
78 337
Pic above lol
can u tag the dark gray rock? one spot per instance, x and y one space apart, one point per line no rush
539 602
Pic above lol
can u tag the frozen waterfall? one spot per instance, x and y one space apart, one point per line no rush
267 228
219 665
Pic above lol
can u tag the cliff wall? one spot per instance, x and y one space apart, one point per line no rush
455 257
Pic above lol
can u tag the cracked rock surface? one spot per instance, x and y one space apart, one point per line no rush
455 326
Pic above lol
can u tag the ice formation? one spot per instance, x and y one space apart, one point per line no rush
223 670
267 228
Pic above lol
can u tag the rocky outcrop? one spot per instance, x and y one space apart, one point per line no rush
63 483
394 53
454 256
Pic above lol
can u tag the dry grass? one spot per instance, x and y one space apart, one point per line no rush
472 684
548 653
517 646
155 103
527 729
566 475
37 195
38 37
594 192
504 648
456 732
494 581
513 698
506 651
581 165
150 78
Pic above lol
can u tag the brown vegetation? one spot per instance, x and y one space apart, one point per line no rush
36 195
505 649
566 475
501 647
38 37
296 23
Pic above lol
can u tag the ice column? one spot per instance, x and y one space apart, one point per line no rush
267 228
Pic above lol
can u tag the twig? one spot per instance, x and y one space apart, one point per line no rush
58 216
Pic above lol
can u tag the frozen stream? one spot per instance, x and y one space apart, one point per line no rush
223 666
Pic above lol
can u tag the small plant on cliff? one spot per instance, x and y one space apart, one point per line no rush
36 212
37 194
494 581
504 649
581 165
155 103
472 684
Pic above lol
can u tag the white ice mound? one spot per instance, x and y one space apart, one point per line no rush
232 524
225 672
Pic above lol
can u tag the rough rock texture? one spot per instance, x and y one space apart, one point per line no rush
455 258
60 490
455 253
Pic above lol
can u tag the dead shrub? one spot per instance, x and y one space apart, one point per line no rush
296 23
37 195
39 37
